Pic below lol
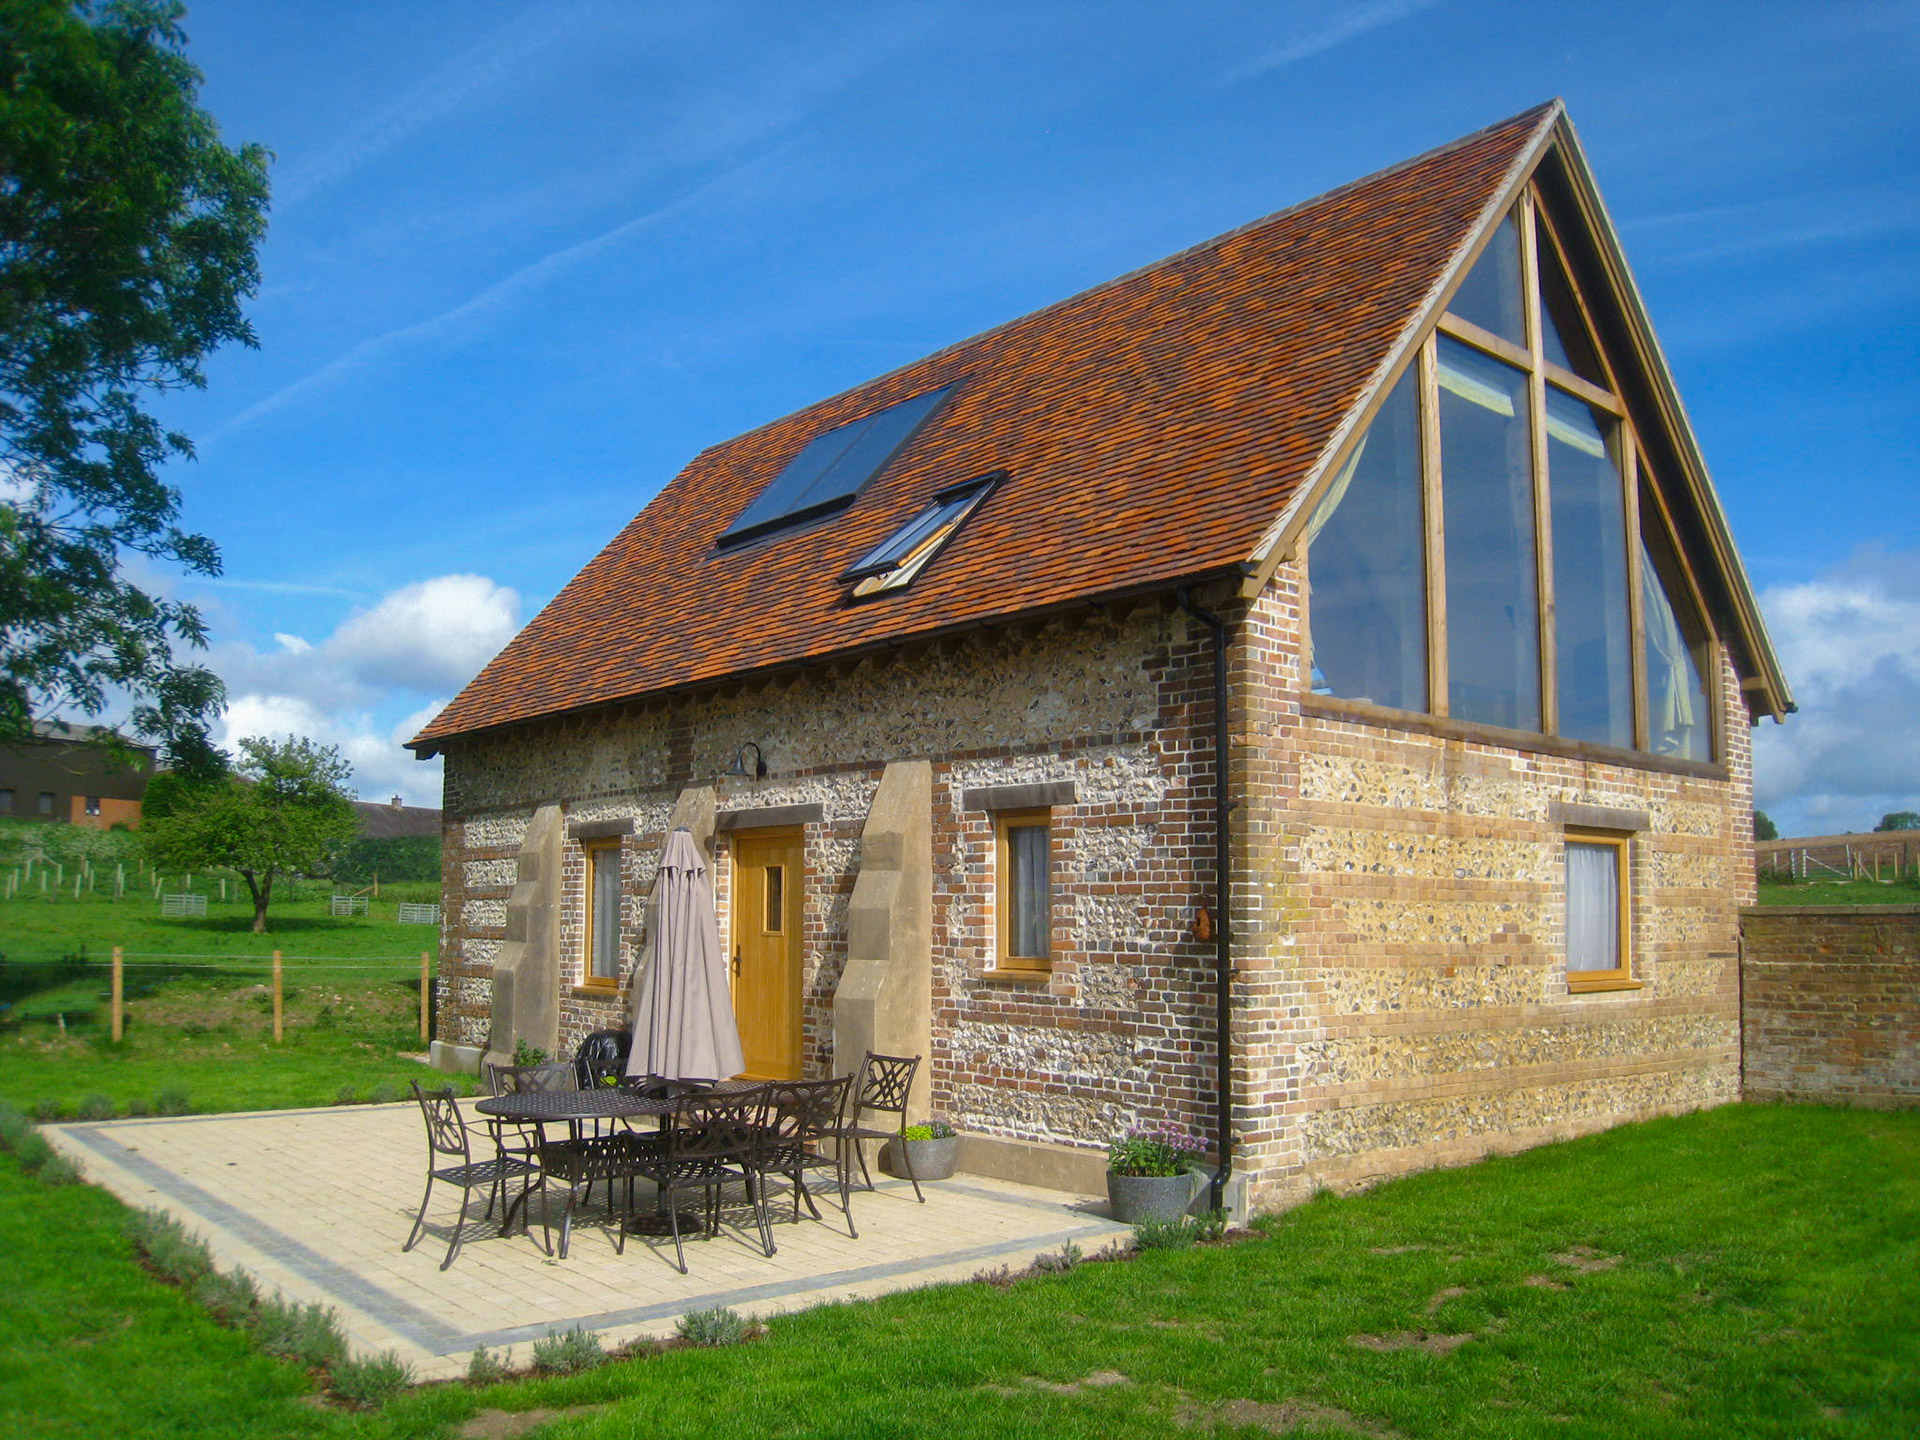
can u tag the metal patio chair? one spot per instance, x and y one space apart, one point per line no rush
882 1085
711 1142
802 1120
448 1139
522 1139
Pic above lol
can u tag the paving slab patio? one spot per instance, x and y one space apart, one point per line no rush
316 1204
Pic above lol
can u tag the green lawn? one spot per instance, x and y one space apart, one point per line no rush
1752 1271
1905 891
199 1004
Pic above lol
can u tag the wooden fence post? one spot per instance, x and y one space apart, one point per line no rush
277 1031
423 996
119 994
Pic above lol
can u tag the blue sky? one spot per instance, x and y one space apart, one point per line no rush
526 259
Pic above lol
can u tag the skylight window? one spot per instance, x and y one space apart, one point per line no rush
833 468
892 564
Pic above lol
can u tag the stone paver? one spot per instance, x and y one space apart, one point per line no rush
316 1204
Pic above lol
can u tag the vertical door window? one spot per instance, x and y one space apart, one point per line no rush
603 914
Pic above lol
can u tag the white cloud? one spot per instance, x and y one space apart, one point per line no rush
419 643
1850 642
434 635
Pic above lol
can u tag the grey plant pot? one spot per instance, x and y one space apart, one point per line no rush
932 1159
1133 1198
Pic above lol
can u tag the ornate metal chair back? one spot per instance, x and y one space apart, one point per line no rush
804 1110
885 1083
522 1079
446 1130
719 1127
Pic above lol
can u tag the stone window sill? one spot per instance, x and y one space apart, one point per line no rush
1599 983
1017 977
596 992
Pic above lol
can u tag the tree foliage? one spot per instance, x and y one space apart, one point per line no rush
286 810
127 243
1763 827
1899 820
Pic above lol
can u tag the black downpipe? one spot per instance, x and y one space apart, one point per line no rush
1222 902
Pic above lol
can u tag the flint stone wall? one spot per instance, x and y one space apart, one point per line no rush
1118 1034
1403 995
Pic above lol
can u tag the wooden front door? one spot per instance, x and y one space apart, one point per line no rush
768 891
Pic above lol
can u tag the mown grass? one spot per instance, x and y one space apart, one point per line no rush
1749 1271
1903 891
199 1005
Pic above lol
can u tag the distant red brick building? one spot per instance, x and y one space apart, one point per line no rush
66 775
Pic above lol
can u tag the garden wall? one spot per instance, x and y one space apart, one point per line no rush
1831 1003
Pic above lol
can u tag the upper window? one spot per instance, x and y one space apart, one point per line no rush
1493 550
602 959
93 804
46 802
1024 896
831 470
6 802
892 564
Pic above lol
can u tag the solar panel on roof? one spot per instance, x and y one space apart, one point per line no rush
832 468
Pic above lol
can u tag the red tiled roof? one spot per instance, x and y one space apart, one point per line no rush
1154 428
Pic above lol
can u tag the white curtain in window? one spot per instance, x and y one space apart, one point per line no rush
606 914
1593 907
1671 708
1031 902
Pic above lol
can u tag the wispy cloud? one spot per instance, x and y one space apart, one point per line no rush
506 57
490 301
270 587
1718 232
1346 24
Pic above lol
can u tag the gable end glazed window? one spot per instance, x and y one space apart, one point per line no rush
1493 549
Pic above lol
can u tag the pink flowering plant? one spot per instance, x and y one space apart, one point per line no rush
1154 1150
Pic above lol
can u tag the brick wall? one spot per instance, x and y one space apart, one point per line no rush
1831 1003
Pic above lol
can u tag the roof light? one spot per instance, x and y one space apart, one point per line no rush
832 469
893 563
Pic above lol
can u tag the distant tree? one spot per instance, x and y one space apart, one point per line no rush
127 243
1899 820
397 857
1763 828
285 810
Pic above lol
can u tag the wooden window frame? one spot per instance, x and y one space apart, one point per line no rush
592 850
1535 230
1005 963
1588 982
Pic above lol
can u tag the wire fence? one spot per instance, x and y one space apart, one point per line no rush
24 974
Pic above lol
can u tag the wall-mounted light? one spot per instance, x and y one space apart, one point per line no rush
738 770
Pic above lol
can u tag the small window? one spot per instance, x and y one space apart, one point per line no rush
776 916
46 802
1024 894
602 958
6 802
1598 920
93 804
892 564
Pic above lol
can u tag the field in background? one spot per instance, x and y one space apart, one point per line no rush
198 1032
1905 891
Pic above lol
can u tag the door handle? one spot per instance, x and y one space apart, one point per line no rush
736 962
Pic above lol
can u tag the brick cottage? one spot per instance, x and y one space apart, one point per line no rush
1384 506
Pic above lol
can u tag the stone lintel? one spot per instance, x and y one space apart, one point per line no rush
599 829
1595 817
770 817
1041 796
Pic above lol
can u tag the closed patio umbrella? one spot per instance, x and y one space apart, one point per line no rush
683 1025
